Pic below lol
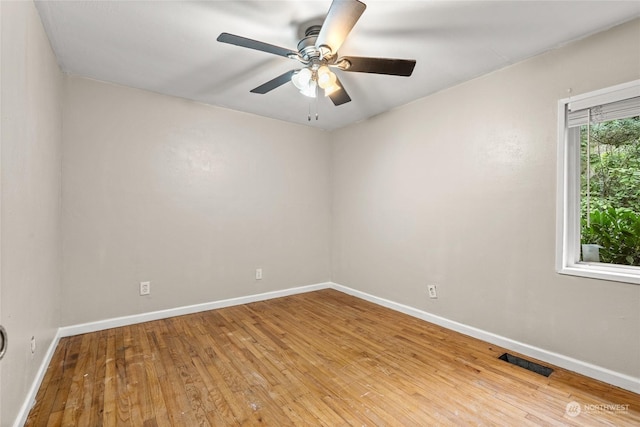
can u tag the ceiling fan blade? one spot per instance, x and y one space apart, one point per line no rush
254 44
341 18
339 96
394 67
272 84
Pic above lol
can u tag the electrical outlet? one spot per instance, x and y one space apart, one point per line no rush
258 274
432 291
145 288
33 345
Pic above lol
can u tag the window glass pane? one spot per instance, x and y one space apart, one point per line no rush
610 191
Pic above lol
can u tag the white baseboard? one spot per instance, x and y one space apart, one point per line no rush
23 413
618 379
100 325
626 382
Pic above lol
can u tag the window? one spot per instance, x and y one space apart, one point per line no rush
598 231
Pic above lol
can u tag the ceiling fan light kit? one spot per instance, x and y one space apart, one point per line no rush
318 53
305 82
309 79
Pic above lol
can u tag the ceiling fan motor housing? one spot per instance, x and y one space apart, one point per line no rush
307 46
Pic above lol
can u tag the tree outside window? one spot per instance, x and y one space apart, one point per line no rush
610 189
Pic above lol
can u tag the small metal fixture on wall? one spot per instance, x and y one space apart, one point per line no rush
3 341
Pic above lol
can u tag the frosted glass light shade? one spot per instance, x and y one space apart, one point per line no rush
305 83
326 78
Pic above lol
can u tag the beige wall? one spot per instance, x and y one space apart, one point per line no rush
190 197
458 190
31 148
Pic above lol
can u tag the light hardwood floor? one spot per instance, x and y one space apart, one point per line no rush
321 358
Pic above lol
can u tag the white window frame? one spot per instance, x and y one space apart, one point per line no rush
568 190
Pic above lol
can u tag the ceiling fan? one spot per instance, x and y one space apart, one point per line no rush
318 53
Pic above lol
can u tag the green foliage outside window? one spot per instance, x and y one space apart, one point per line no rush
613 199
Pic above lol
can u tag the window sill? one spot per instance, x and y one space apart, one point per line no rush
603 271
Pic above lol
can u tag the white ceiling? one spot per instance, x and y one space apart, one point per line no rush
170 47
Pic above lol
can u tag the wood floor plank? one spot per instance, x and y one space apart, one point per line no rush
50 388
321 358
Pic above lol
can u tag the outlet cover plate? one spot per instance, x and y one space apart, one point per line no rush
432 291
145 288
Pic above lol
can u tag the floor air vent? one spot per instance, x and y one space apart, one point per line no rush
534 367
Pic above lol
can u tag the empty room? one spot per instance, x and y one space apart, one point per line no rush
320 213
